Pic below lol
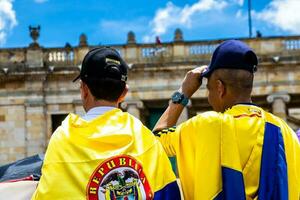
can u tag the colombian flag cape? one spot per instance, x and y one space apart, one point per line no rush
244 153
111 157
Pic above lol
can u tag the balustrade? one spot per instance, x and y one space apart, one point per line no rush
147 53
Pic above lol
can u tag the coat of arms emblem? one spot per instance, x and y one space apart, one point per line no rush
119 178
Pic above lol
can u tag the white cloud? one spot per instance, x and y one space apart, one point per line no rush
7 19
172 16
239 14
40 1
283 14
239 2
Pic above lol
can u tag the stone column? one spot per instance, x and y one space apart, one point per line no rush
34 54
34 58
178 45
82 50
279 101
133 107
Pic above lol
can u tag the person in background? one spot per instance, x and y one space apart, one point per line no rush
107 153
238 151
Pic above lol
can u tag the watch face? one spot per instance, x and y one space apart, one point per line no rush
179 98
176 98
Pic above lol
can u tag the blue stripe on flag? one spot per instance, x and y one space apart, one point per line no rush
233 184
169 192
273 182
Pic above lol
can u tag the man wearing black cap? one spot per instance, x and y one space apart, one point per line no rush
106 154
238 151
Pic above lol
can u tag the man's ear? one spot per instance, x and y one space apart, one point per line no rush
221 88
122 97
84 90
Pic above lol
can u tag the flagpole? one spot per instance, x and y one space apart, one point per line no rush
249 18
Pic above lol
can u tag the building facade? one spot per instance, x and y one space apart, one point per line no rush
37 92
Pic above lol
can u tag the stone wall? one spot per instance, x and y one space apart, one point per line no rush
26 107
12 132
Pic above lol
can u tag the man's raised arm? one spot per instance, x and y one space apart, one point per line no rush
191 82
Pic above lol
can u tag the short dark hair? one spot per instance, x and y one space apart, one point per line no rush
240 81
106 89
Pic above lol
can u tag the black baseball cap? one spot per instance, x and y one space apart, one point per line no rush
102 63
232 54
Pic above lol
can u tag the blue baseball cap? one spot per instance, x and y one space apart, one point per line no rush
232 54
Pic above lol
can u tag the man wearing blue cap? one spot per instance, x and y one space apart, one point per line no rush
238 151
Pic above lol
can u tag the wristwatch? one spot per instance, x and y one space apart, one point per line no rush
179 98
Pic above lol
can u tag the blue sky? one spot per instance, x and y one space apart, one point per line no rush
108 22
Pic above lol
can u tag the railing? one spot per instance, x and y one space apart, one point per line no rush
151 53
198 49
147 52
59 56
292 44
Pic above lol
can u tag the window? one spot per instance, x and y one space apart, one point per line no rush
56 120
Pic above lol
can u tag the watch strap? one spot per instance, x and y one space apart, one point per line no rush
179 98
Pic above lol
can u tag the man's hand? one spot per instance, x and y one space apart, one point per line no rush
192 81
190 84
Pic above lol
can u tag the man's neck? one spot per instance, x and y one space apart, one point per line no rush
101 103
236 101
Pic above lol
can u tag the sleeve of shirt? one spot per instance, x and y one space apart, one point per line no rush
168 139
292 153
173 137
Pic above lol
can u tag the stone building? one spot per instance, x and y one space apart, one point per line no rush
36 89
